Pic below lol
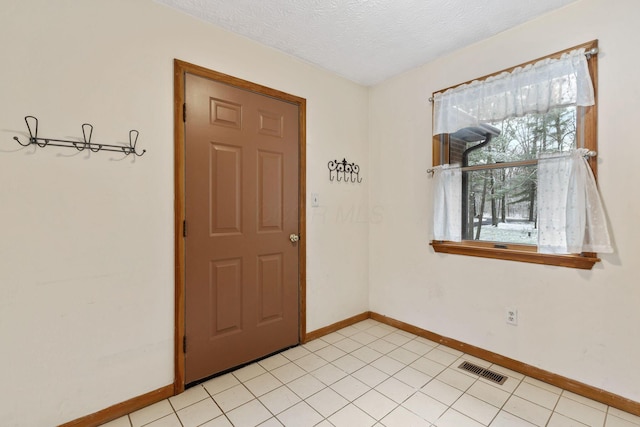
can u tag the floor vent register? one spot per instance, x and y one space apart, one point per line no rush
484 373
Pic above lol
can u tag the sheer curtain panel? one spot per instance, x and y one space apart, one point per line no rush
535 88
571 217
447 203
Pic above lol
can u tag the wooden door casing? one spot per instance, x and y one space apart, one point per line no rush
268 220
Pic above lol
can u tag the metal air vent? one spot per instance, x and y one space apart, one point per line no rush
484 373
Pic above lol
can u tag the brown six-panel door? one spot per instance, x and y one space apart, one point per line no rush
241 209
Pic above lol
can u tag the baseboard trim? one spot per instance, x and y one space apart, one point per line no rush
336 326
599 395
577 387
131 405
120 409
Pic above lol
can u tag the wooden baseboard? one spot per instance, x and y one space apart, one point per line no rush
577 387
120 409
336 326
131 405
585 390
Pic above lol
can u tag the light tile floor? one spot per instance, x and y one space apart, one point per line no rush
371 374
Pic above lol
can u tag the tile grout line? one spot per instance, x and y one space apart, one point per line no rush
390 340
501 408
363 345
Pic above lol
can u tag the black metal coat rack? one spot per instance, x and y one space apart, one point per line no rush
87 130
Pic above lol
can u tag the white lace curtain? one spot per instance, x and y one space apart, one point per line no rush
571 217
535 88
447 209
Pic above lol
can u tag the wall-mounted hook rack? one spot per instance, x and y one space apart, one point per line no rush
87 131
344 171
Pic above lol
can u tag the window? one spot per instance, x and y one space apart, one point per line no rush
491 136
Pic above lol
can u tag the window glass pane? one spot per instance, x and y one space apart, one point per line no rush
521 138
500 205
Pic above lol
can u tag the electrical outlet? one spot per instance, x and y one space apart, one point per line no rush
512 316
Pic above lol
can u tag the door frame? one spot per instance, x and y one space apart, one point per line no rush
181 68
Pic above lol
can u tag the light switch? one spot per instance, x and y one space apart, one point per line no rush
315 201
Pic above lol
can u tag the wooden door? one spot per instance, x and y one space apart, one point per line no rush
241 211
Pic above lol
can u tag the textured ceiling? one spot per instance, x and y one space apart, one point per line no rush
366 41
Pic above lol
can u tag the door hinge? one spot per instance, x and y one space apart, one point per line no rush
184 112
184 344
184 228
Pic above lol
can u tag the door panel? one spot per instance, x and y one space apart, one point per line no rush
226 189
241 205
270 185
270 287
225 297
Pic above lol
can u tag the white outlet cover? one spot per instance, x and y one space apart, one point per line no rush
512 316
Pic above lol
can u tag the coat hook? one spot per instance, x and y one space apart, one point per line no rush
332 165
18 141
132 143
32 137
86 126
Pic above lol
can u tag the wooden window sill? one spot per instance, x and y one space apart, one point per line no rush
522 253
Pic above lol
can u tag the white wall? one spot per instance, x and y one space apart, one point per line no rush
579 324
86 259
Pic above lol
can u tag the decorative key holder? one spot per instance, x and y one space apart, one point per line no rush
344 171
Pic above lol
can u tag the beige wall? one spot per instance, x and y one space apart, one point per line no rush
86 260
579 324
86 277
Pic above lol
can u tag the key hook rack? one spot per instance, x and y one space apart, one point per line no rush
87 131
344 171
